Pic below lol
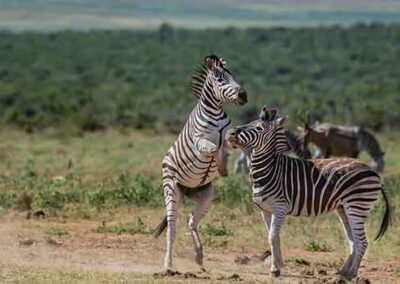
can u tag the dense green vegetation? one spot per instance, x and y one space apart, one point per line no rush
93 80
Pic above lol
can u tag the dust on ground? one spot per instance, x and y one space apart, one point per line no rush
24 243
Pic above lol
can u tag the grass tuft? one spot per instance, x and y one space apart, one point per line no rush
56 231
138 227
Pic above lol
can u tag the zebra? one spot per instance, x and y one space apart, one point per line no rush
241 164
348 141
190 165
284 185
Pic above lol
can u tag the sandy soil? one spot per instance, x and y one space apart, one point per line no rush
24 243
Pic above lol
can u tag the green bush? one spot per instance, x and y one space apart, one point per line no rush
139 79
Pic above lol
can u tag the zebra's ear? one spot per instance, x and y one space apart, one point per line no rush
282 120
268 114
210 62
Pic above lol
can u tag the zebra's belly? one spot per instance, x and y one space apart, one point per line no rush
268 204
195 174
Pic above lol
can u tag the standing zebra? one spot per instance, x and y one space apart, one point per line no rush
190 165
284 185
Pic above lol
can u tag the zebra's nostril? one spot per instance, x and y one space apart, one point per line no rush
242 95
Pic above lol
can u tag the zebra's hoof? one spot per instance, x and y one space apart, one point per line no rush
199 258
275 273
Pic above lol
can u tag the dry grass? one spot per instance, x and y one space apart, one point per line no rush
71 248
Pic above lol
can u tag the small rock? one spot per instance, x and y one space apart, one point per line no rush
301 261
27 242
322 272
308 272
362 280
265 255
242 259
54 242
235 277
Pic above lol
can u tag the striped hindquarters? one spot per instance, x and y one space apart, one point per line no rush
319 186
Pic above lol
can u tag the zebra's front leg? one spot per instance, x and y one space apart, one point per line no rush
206 147
203 199
222 162
173 198
266 216
274 242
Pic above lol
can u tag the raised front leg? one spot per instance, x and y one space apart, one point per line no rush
274 242
203 199
222 162
173 198
205 146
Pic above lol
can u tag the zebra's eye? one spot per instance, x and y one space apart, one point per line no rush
259 128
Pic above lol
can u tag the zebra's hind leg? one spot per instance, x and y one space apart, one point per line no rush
173 197
346 226
360 245
356 220
274 242
203 198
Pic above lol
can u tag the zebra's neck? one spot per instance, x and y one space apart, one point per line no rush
208 99
263 164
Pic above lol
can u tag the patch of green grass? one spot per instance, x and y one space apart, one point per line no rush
138 227
56 231
212 230
313 245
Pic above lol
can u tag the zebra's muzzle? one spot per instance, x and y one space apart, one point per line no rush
242 97
232 136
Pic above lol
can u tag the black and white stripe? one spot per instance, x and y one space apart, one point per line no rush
283 185
190 165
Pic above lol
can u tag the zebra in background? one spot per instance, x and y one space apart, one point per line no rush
283 185
342 141
190 165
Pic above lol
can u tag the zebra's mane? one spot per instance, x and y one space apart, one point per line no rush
294 139
200 75
198 80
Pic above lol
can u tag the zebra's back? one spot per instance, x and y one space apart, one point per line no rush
316 187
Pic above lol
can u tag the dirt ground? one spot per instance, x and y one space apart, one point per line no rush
25 245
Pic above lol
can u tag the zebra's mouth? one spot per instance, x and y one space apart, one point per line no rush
232 138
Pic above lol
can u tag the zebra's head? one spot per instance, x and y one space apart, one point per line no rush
261 133
215 83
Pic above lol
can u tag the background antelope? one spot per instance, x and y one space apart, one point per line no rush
342 141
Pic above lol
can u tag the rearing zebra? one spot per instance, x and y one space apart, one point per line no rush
284 185
190 165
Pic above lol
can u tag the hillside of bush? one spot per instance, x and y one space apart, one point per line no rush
83 81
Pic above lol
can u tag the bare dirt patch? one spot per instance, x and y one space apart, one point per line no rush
26 243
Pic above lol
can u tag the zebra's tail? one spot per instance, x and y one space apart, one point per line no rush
387 218
160 228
